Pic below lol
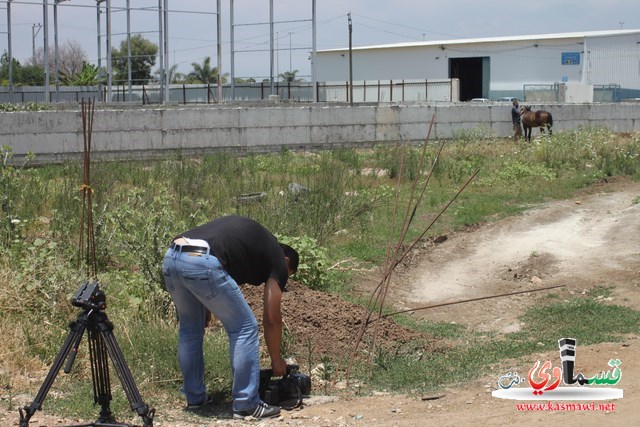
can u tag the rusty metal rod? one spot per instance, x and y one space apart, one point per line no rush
472 299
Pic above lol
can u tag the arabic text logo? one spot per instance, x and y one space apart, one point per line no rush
544 378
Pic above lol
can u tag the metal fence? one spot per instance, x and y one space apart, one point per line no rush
446 90
542 93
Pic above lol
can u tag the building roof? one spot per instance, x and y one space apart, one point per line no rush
552 36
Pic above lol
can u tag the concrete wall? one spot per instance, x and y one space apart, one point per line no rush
155 132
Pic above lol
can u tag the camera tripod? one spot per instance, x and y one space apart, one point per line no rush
102 345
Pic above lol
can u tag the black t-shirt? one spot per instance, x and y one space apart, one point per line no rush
246 250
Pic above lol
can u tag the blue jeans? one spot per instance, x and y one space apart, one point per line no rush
198 282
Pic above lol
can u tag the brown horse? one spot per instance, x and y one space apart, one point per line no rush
534 119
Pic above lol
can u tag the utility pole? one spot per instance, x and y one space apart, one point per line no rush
350 61
290 63
34 33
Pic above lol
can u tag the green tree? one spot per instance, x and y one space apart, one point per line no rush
30 75
204 73
247 80
143 58
4 68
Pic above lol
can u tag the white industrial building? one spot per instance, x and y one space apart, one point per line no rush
590 65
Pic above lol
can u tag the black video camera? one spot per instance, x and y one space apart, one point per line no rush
286 392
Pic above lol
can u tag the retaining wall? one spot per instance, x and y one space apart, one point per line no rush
141 133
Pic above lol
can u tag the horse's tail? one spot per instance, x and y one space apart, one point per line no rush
550 120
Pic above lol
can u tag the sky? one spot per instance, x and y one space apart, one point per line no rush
193 34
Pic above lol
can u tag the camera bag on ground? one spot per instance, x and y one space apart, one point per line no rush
286 392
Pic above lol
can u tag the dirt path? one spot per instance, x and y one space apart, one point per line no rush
590 241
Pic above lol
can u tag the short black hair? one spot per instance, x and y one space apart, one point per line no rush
292 254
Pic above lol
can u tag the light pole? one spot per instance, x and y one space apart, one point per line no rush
129 88
45 34
350 61
9 51
271 47
109 54
56 53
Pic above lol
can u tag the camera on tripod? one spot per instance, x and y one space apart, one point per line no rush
89 296
287 391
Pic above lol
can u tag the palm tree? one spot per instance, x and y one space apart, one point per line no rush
174 75
289 76
204 73
90 75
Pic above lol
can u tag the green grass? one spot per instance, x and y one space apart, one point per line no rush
347 216
585 319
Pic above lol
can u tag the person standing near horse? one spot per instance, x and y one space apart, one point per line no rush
533 119
202 270
515 120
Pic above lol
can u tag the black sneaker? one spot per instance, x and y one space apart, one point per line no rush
197 406
261 411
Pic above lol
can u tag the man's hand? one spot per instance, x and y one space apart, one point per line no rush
279 367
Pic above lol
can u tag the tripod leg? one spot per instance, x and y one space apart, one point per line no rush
124 373
72 342
100 376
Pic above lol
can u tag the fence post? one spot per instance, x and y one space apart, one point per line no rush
378 90
347 89
426 89
402 90
317 89
390 90
289 90
364 91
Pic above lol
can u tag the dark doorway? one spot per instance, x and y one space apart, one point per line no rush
471 73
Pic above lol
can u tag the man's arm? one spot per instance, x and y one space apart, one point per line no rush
272 322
